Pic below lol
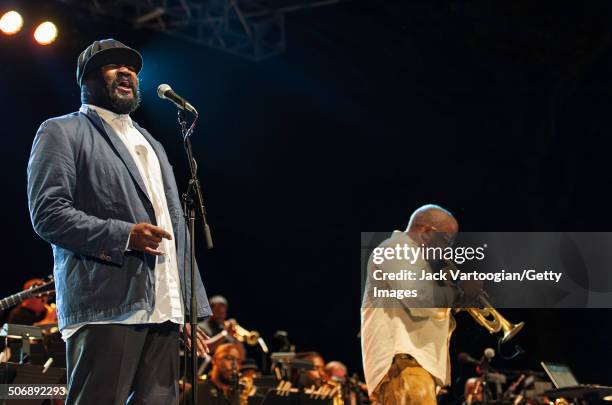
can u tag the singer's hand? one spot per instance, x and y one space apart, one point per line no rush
201 338
146 238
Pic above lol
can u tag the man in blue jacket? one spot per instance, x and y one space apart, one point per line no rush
102 193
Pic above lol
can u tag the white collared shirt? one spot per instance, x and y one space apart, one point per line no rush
423 333
168 301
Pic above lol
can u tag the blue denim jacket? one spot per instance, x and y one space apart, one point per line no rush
85 193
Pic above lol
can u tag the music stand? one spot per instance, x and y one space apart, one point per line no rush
23 332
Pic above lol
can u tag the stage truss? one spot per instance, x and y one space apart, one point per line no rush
248 28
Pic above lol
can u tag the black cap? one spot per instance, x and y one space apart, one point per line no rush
248 364
105 52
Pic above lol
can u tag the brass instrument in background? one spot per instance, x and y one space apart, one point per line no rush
336 392
489 317
241 334
247 389
328 390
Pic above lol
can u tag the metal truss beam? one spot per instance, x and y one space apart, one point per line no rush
248 28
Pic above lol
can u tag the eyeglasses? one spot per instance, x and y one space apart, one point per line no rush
229 357
448 238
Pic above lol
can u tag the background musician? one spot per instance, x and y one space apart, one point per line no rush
218 322
221 386
215 324
315 376
31 310
335 371
36 311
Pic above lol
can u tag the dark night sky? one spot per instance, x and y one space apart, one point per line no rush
501 115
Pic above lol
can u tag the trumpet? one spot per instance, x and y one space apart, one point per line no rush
489 317
250 337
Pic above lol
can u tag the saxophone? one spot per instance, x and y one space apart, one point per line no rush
328 390
246 389
337 393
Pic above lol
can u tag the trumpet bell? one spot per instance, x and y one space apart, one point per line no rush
494 322
510 330
252 338
488 317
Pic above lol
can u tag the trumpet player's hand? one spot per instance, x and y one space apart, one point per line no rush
202 347
472 289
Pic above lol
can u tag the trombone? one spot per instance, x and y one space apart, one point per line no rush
488 317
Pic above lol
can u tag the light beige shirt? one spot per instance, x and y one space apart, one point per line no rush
423 333
168 302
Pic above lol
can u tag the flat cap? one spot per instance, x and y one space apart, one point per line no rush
105 52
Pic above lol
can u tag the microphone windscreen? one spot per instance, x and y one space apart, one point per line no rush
162 89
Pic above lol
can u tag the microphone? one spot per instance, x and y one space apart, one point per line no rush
164 91
487 355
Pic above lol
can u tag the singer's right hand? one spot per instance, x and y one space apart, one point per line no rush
146 238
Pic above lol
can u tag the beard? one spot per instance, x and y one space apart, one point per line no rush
123 104
225 378
106 95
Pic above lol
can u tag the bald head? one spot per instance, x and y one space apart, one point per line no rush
430 220
434 216
336 371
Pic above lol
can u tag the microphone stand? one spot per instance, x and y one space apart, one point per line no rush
234 397
192 201
485 386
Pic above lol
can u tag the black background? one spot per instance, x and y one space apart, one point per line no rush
498 113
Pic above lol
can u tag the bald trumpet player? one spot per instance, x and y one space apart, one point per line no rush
406 349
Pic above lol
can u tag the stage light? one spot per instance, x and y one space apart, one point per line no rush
11 23
45 33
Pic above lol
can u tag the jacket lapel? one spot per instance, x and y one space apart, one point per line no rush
120 148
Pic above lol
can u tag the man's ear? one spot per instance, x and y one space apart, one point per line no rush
91 87
86 92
